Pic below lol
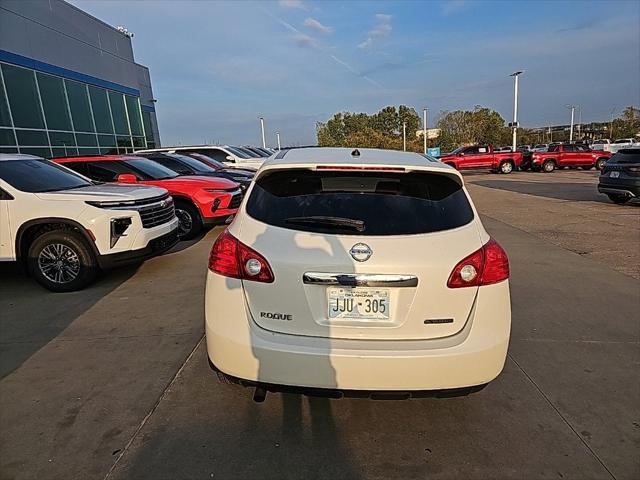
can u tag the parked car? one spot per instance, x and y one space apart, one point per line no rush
601 144
621 143
186 165
620 177
65 228
311 289
229 155
541 147
568 155
482 156
503 149
523 148
199 201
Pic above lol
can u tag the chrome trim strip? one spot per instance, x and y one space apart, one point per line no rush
359 279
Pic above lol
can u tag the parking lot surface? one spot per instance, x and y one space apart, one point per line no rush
112 382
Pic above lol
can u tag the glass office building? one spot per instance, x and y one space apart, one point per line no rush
70 91
47 115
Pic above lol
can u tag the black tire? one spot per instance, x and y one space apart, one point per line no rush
600 163
189 218
506 167
548 166
61 261
618 199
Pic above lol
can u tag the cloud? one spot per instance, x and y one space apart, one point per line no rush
381 30
292 4
453 6
304 41
316 25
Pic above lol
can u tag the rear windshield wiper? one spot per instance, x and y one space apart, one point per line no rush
352 223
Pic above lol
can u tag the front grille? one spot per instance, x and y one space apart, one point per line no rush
236 200
157 213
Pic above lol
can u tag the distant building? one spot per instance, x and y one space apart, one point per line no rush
69 84
585 131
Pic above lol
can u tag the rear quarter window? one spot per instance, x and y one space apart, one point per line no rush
382 203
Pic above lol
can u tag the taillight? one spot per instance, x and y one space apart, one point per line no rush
485 266
232 258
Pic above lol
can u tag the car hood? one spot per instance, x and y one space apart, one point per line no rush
190 182
105 192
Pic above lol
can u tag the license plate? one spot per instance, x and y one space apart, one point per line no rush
614 174
358 303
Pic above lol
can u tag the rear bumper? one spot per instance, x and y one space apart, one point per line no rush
239 348
155 247
630 188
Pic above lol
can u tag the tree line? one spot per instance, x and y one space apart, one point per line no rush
460 127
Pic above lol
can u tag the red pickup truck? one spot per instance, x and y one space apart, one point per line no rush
482 156
568 155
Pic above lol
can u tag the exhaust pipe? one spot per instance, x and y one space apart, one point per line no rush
259 395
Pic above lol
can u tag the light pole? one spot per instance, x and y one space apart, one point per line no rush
278 137
573 111
579 122
404 136
264 143
424 127
613 110
514 125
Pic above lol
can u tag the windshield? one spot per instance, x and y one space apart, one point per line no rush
351 203
457 150
150 168
208 160
239 153
39 175
193 163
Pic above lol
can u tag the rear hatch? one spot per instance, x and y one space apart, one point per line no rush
359 254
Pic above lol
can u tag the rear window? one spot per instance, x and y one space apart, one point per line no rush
626 156
359 203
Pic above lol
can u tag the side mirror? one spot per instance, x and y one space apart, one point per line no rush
461 154
230 159
127 178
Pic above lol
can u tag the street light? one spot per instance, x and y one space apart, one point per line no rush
404 136
278 137
424 127
573 111
264 142
514 125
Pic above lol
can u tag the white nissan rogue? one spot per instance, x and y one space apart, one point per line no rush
364 272
65 227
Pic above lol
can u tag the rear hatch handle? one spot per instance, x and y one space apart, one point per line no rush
359 279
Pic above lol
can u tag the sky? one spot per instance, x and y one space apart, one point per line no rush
217 66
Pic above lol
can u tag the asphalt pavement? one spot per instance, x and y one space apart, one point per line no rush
112 382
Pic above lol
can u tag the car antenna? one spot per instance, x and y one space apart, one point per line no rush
355 153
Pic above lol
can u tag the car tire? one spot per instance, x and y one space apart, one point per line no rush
618 199
548 166
506 167
61 261
600 163
189 220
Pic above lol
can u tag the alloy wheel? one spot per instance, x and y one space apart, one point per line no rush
59 263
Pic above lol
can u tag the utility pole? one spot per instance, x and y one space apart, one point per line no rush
278 137
579 122
514 125
573 111
264 142
613 110
424 127
404 136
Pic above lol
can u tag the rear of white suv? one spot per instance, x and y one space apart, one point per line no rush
366 271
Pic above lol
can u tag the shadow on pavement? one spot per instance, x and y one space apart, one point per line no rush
577 192
31 316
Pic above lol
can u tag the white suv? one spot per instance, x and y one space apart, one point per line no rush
357 271
65 227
